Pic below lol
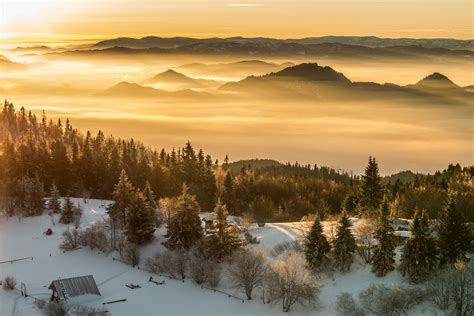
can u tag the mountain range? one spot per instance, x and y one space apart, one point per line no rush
367 41
309 81
277 48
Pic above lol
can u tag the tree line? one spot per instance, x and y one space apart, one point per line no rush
38 153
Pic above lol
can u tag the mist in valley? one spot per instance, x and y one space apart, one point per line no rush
136 96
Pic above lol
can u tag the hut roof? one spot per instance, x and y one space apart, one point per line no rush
71 287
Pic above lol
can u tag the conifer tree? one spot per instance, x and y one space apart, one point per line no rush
33 196
224 240
454 238
149 196
344 244
184 228
372 190
383 260
54 205
140 220
316 246
228 194
122 196
419 255
67 212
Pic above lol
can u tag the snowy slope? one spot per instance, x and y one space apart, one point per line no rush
26 239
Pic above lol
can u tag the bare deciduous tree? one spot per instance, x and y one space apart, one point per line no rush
248 270
364 230
70 239
289 282
452 290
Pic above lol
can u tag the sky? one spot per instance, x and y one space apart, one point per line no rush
82 20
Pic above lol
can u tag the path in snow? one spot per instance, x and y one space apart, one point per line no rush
287 230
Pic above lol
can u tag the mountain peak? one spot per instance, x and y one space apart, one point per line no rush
312 72
436 79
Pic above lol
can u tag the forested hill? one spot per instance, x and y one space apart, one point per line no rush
38 152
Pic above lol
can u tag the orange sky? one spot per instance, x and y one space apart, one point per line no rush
38 20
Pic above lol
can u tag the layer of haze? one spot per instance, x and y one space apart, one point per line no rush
402 135
61 20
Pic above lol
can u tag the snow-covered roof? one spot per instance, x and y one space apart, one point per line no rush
72 287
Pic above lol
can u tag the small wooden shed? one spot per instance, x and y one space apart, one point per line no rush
64 289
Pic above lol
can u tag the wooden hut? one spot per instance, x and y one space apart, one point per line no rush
64 289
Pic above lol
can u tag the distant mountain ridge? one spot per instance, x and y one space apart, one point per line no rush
273 48
367 41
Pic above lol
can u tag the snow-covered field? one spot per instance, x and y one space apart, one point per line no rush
26 239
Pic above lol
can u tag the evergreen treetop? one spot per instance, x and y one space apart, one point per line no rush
344 244
316 246
419 255
372 189
383 260
454 237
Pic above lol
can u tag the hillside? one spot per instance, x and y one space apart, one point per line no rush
6 65
26 239
174 78
255 164
133 90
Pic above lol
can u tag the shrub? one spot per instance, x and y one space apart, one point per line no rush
81 310
131 254
94 237
64 309
171 262
347 306
55 309
204 271
9 283
394 300
70 239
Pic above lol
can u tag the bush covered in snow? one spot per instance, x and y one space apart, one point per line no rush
70 239
64 309
94 237
347 306
394 300
55 309
173 262
9 283
204 270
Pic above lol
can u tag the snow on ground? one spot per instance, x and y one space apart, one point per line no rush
26 239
